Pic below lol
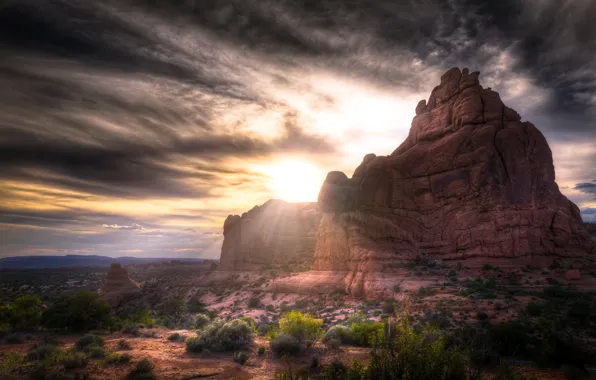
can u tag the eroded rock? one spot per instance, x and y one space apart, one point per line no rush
118 288
274 234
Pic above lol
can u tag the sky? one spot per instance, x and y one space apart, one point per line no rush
133 128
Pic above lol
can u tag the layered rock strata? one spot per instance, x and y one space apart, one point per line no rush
471 181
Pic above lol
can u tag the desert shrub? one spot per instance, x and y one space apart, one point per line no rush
481 316
175 337
95 352
201 320
511 338
284 344
132 329
270 308
41 351
116 358
425 292
249 321
337 335
10 364
196 306
304 327
388 306
24 313
261 350
366 332
51 339
13 339
240 357
253 302
220 336
89 340
175 309
416 354
143 370
73 360
123 345
263 328
82 311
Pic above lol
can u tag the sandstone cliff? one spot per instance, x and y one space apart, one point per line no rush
275 234
118 288
471 182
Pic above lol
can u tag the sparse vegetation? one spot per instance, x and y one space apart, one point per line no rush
80 312
220 336
143 370
241 357
304 327
284 344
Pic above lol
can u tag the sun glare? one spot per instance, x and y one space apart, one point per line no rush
295 181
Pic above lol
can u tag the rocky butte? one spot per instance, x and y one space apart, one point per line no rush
274 234
118 288
472 182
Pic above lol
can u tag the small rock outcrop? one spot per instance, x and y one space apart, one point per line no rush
275 234
118 288
471 182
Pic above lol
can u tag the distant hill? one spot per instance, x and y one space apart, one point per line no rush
36 262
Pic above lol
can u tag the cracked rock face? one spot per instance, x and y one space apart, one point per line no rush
471 181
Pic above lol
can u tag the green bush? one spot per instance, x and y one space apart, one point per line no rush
89 340
201 320
304 327
284 344
337 335
73 360
261 350
240 357
41 352
253 302
365 333
175 337
11 362
82 311
116 358
196 306
143 370
416 354
24 313
124 345
132 329
220 336
175 309
94 351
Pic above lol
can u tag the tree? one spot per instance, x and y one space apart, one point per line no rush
82 311
24 313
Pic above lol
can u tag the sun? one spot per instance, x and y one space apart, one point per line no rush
295 180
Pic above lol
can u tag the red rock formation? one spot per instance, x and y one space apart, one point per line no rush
118 288
273 234
471 181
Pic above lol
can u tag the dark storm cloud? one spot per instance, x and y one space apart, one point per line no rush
587 188
128 99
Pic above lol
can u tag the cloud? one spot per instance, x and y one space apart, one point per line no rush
123 112
586 187
134 227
